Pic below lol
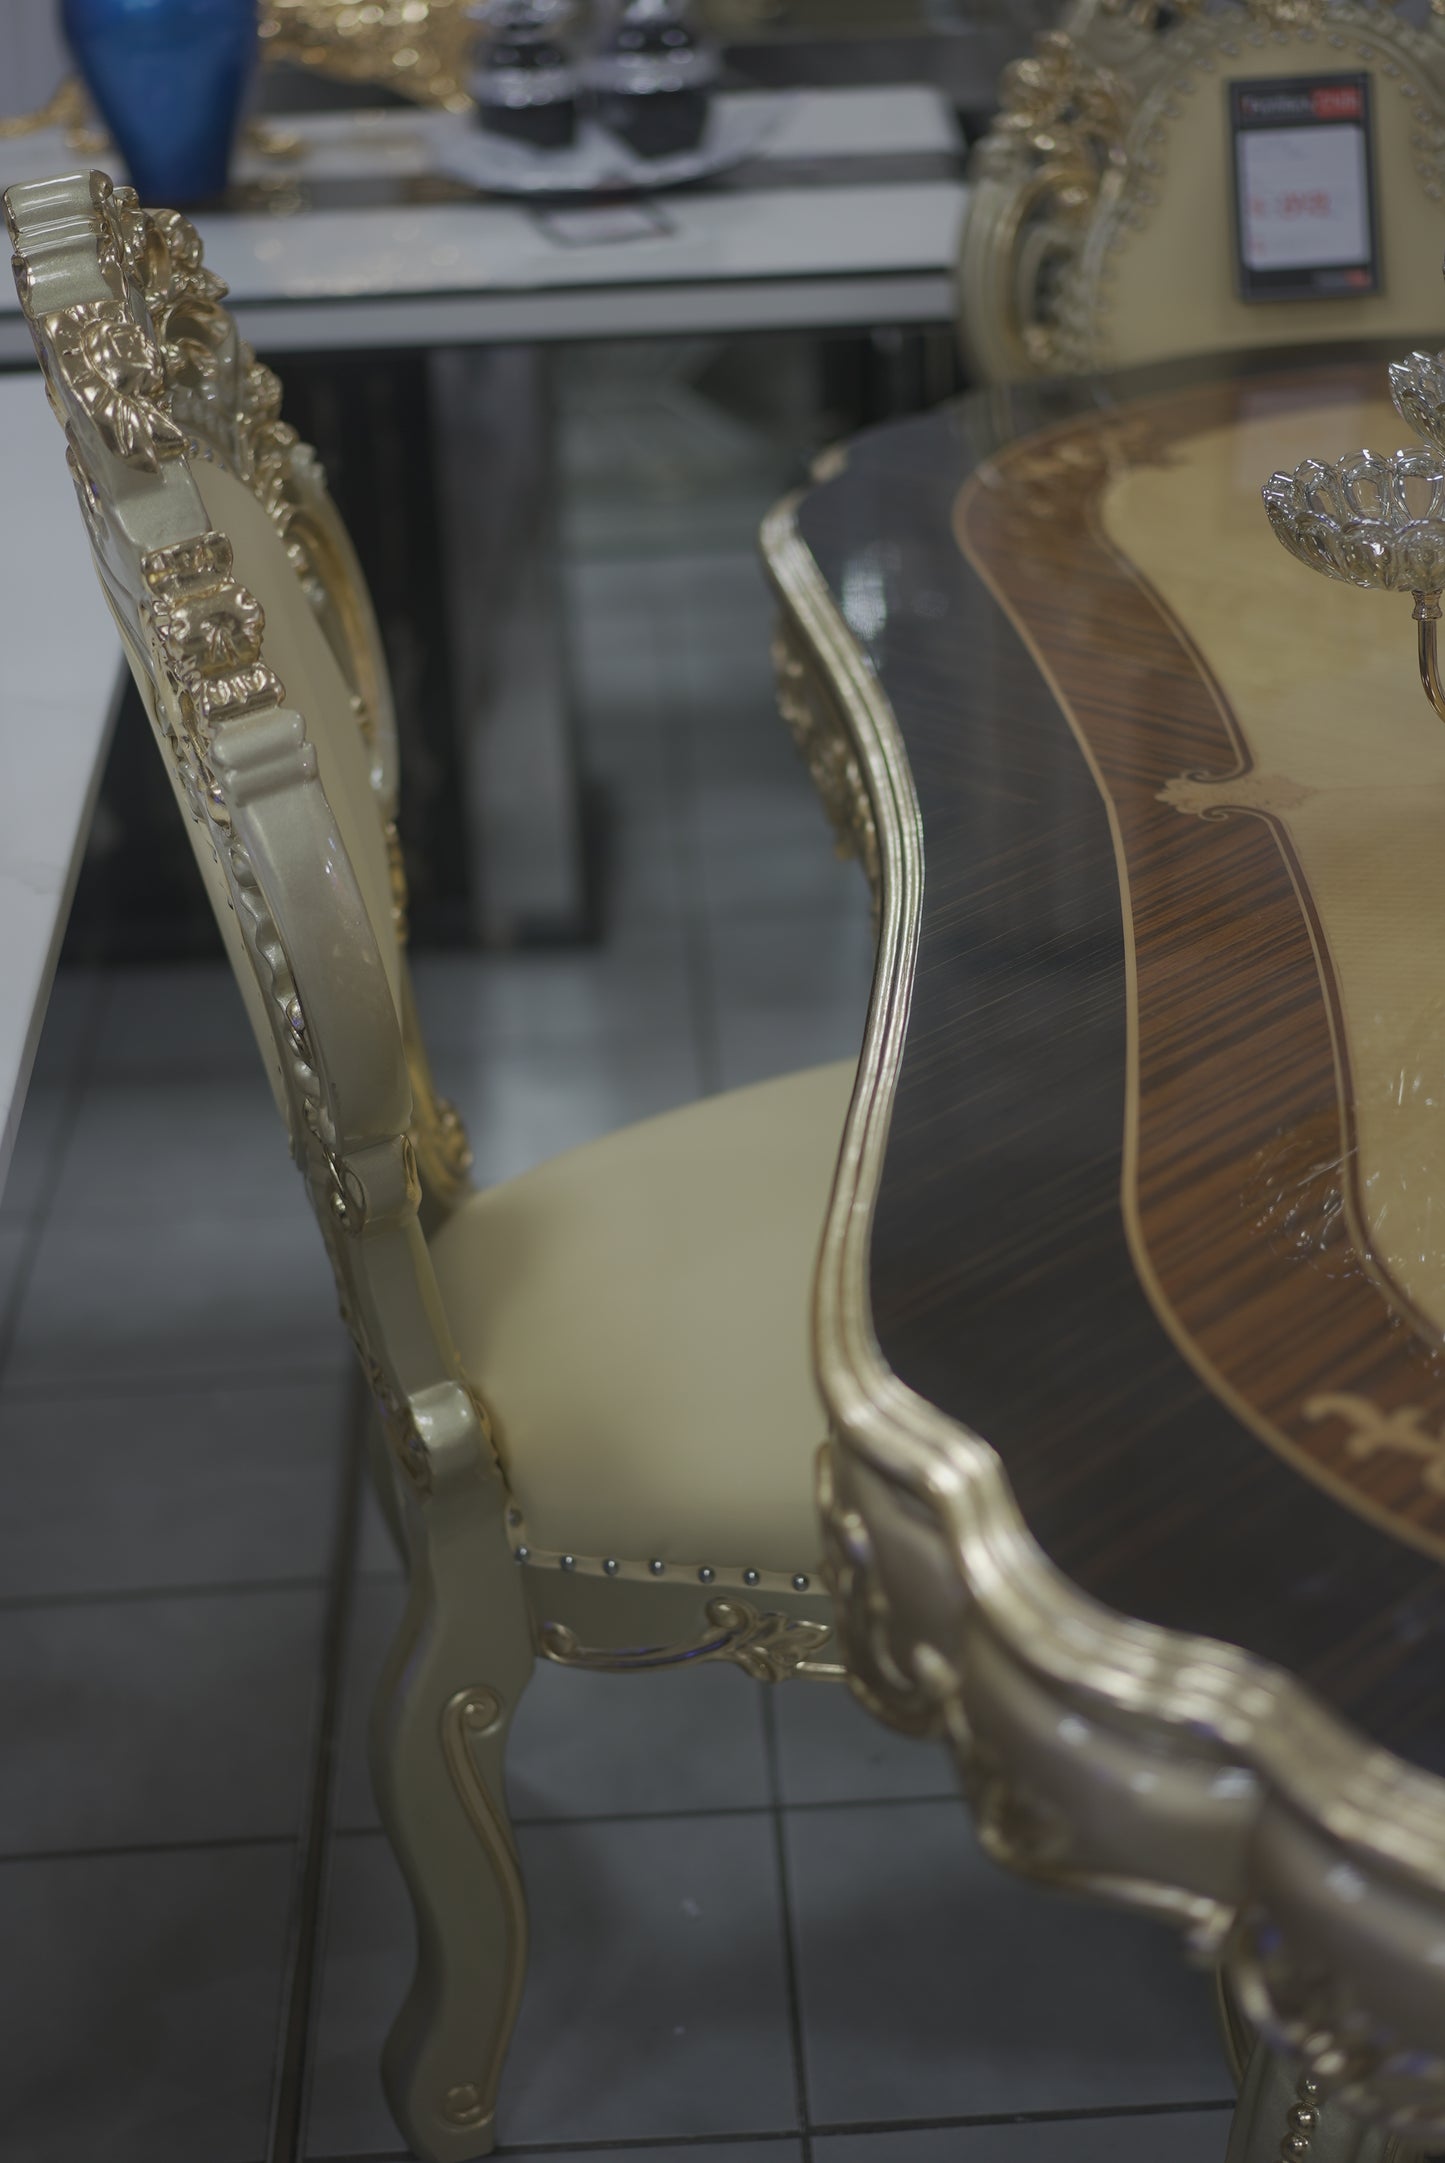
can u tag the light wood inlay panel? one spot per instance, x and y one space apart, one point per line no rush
1108 1085
1274 782
1341 750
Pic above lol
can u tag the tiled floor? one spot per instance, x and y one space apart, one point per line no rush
762 1932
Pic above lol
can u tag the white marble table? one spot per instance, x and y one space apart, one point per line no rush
786 253
59 684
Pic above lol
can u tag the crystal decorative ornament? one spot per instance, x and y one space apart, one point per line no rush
1417 385
1373 521
1367 520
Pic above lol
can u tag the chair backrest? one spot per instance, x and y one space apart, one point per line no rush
1101 227
248 628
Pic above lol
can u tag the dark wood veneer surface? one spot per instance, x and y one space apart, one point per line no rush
1002 1282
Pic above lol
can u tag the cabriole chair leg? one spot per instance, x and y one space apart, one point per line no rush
439 1735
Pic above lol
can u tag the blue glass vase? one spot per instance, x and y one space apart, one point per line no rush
167 77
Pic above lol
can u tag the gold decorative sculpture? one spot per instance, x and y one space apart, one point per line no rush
1373 521
421 48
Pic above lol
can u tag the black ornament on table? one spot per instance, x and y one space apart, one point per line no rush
651 80
526 84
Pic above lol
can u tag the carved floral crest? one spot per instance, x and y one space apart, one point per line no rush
116 374
208 629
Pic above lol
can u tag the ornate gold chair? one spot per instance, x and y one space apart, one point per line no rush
594 1379
1100 228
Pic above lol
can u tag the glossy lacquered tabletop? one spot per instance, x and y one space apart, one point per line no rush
1162 1212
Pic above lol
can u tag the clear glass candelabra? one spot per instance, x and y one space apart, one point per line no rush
1373 521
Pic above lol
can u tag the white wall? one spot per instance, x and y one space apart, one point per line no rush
32 53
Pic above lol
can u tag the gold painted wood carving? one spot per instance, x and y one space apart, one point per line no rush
769 1647
471 1717
421 48
116 373
817 730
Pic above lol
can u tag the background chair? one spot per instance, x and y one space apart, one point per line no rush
637 1492
1100 230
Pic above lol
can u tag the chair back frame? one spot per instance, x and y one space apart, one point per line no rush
147 375
154 387
1064 239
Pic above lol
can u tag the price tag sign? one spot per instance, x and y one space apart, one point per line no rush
1304 187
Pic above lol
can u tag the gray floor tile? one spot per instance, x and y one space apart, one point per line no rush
369 1951
635 736
592 1745
618 672
830 1750
153 1144
14 1246
982 1995
737 740
655 2003
176 1019
1196 2136
648 868
139 2004
791 988
728 2151
764 844
35 1158
142 1491
376 1611
77 998
629 988
168 1299
522 1106
143 1722
582 1745
376 1550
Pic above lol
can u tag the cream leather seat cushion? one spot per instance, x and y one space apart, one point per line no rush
635 1314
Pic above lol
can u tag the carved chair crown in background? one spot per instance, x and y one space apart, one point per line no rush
638 1491
1099 230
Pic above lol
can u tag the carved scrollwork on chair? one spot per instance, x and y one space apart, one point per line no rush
208 629
769 1647
116 373
822 741
1061 128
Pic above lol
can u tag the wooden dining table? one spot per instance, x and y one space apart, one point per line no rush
1133 1292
